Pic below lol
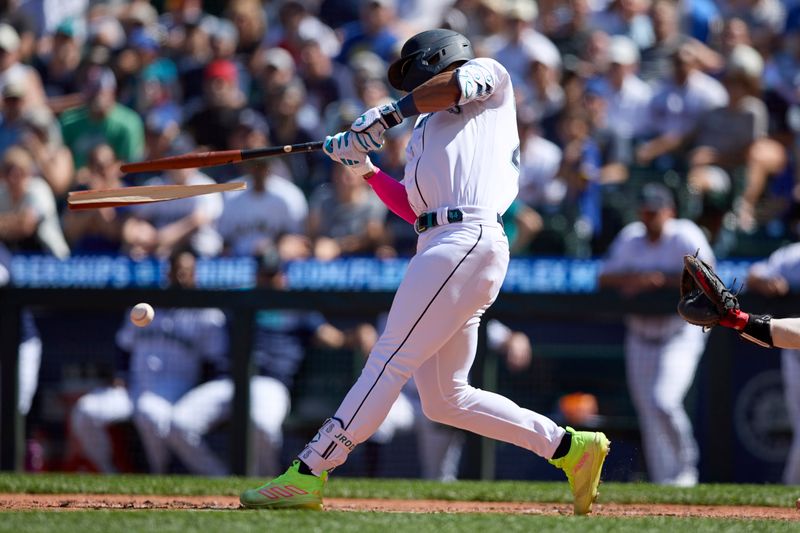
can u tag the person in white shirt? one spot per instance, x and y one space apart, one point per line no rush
521 43
28 216
629 102
661 351
162 227
679 103
271 213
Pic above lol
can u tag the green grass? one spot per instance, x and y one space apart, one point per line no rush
764 495
343 522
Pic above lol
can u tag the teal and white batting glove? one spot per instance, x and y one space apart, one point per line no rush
341 148
369 127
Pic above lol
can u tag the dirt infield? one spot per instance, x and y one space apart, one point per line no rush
65 502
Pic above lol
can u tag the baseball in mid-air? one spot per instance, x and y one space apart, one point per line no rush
142 314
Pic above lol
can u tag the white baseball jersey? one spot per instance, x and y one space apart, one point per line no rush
444 168
249 217
631 251
466 157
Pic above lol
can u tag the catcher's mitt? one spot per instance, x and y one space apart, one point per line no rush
705 299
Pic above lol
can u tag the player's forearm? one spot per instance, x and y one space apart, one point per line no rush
785 332
437 94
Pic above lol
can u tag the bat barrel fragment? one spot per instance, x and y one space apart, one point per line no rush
197 160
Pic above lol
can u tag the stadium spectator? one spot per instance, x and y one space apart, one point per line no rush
223 100
678 105
28 216
59 69
373 31
102 119
12 69
158 365
629 101
299 27
520 45
540 161
324 82
251 23
627 18
735 136
661 351
160 228
281 340
345 218
42 138
271 214
657 63
94 231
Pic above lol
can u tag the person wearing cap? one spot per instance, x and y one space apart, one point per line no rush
269 216
373 31
735 137
12 69
630 97
281 340
222 102
661 351
102 119
58 69
521 45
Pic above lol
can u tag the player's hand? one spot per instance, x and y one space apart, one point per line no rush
341 148
368 129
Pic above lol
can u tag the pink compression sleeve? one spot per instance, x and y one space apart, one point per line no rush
393 194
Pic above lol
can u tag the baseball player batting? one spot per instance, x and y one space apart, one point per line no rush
461 175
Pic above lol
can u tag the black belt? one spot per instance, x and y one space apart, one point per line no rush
429 220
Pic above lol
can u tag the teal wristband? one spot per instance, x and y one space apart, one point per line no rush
407 107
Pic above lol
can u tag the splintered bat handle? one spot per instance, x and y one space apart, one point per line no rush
198 160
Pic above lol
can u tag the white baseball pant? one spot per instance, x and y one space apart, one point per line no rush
150 412
208 404
30 359
432 333
91 415
659 374
790 368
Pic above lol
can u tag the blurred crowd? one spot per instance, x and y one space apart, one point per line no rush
702 95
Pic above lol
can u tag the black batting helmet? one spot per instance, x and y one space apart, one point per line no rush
427 54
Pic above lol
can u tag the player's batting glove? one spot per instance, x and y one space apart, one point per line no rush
369 127
341 148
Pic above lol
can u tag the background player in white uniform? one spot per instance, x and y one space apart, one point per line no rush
777 276
166 360
280 342
661 351
461 175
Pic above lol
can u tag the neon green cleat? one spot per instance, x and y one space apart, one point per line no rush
583 464
291 490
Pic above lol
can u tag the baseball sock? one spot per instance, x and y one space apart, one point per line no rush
304 469
563 447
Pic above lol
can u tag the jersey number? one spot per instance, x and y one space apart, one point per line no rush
515 158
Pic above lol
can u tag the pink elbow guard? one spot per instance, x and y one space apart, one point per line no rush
393 194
